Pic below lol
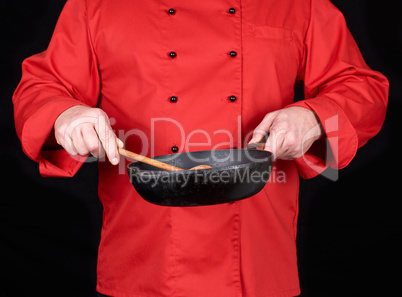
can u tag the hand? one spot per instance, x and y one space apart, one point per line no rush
82 130
291 130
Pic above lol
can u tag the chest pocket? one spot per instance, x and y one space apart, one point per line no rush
272 56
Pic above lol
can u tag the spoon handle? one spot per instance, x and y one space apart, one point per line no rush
149 161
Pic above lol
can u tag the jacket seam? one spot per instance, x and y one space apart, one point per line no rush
303 57
90 37
241 74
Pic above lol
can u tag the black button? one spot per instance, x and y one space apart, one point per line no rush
175 149
172 11
233 54
232 98
173 99
232 10
173 55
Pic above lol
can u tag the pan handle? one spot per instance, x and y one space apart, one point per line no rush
256 146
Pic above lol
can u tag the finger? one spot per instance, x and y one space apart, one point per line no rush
92 141
79 143
107 138
274 143
68 145
63 138
292 146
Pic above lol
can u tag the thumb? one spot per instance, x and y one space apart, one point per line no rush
257 136
262 130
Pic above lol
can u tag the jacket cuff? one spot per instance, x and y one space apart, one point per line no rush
36 131
339 145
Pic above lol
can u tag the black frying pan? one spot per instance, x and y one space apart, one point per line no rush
236 174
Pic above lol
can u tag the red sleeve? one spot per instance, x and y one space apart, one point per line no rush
64 75
349 98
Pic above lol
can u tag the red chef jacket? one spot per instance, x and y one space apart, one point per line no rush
226 63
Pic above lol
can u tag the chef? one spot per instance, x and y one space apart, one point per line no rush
163 77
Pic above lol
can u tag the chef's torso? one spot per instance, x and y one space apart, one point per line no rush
182 76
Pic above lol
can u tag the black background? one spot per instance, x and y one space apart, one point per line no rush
349 238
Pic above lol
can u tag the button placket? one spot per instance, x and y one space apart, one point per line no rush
235 55
172 55
232 12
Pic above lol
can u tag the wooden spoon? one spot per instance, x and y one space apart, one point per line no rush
157 163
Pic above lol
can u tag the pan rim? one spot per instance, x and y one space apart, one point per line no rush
223 168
